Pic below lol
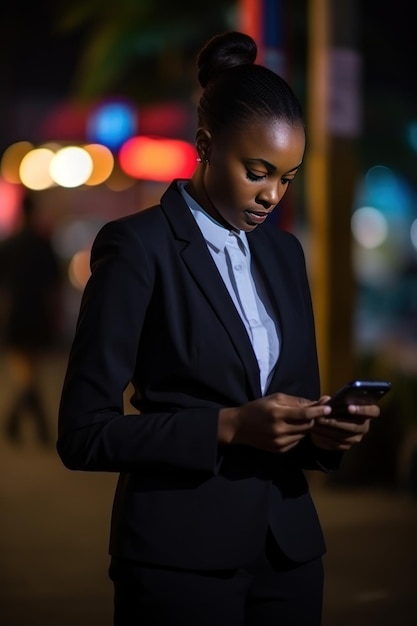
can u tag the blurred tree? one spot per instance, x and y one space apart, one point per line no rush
141 49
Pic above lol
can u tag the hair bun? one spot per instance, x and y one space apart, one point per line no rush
223 52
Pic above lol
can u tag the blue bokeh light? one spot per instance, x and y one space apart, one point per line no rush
111 124
385 190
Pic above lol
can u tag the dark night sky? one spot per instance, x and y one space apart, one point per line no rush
386 35
389 44
40 59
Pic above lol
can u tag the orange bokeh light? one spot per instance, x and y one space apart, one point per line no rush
157 159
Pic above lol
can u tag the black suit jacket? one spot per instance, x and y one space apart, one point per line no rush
156 313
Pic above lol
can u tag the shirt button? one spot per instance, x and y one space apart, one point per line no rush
238 268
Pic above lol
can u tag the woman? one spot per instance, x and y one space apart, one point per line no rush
207 312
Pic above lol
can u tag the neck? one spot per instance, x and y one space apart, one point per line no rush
197 190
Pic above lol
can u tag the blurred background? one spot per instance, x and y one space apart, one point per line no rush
97 115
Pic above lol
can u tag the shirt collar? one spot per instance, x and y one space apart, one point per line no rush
213 232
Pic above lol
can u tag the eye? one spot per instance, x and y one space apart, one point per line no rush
286 181
255 177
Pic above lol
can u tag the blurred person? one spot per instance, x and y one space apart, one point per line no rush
30 279
207 313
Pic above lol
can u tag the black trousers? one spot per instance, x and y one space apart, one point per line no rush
270 592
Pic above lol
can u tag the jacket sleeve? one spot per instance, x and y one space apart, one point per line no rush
310 457
94 433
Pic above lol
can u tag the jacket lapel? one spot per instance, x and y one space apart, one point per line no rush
197 258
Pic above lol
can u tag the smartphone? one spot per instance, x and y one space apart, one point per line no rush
358 392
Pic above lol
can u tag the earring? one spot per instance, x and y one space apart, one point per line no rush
198 160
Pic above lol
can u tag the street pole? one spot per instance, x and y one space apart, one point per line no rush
333 122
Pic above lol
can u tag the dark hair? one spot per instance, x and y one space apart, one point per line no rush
236 90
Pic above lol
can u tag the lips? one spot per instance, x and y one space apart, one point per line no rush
257 217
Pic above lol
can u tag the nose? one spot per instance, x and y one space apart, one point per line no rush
270 195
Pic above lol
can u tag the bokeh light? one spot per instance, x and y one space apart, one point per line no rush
10 197
369 227
71 166
384 208
34 169
160 160
79 269
103 163
11 160
112 123
384 189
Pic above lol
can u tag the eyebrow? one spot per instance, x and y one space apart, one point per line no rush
271 167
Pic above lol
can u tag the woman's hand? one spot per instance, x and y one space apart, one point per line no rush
344 431
274 423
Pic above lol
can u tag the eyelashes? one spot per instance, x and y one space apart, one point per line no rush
256 178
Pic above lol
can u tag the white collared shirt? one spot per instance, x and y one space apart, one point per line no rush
231 254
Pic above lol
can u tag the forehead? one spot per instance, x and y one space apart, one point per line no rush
277 142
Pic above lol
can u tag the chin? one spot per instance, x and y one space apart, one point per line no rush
248 228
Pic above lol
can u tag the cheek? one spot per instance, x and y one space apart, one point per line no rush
227 198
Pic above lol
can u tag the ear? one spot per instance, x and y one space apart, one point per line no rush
202 142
